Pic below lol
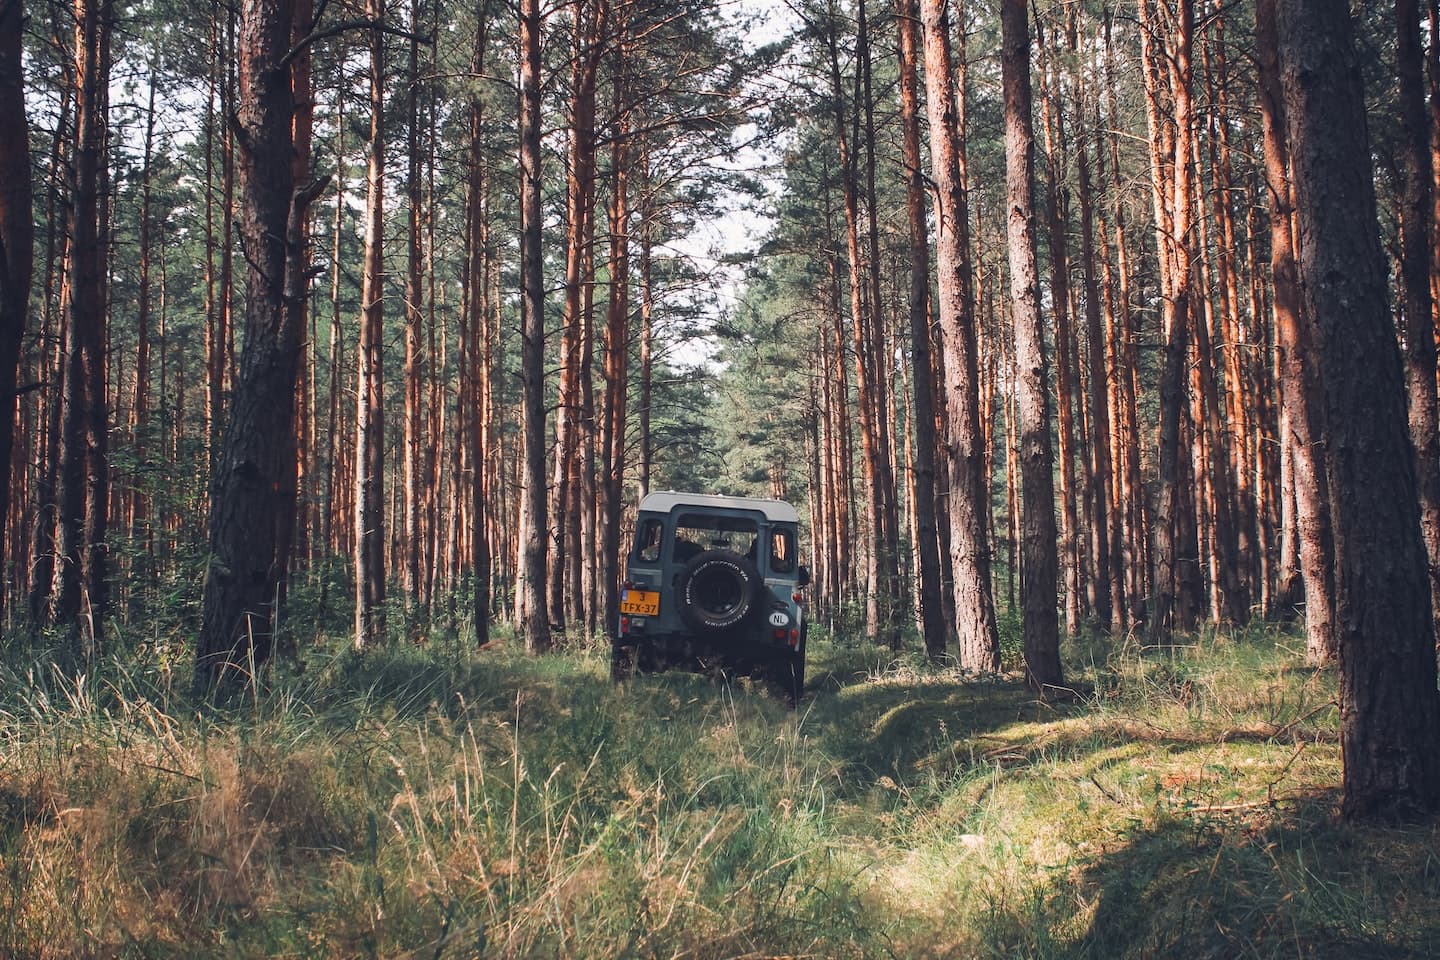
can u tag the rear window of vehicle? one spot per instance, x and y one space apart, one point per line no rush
696 532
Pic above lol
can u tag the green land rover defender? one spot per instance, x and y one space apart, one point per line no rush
714 581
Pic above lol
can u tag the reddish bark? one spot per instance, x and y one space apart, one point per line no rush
1299 386
242 580
16 239
927 541
533 513
1416 318
1389 709
1037 466
370 368
979 641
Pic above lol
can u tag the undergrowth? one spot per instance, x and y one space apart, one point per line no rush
430 801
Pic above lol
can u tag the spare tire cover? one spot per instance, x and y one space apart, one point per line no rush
718 590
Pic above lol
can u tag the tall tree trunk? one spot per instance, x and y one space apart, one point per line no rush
1236 430
1416 319
1268 455
135 506
1299 382
1176 547
335 450
533 521
867 382
1067 391
472 413
587 564
979 640
16 238
1037 463
1233 606
242 580
84 470
1124 325
478 435
564 561
433 454
370 360
617 353
221 358
297 301
100 400
414 326
840 447
1389 709
1105 535
212 117
47 447
932 610
647 320
1432 64
888 596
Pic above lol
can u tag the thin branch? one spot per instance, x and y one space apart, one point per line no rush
344 26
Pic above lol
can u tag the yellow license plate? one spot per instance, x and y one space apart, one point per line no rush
640 603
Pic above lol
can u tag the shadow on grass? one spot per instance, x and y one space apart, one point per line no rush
896 728
1280 883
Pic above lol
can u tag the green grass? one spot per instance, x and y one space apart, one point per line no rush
431 802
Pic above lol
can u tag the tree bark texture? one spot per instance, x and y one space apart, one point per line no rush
1106 536
1389 708
16 240
884 496
243 575
1298 365
871 397
53 322
1176 541
533 521
1417 321
78 593
979 639
370 366
617 354
414 330
927 548
297 284
1038 570
1070 405
473 412
564 561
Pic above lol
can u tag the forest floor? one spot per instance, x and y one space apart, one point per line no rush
429 801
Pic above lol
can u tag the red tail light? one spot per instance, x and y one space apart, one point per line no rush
794 637
624 624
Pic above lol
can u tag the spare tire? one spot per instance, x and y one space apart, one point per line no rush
717 591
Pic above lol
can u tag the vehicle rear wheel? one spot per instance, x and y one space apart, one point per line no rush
622 661
788 673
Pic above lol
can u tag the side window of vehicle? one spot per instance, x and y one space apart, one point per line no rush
647 540
782 550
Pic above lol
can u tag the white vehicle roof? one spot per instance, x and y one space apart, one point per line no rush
664 501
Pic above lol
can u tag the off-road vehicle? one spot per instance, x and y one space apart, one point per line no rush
714 581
